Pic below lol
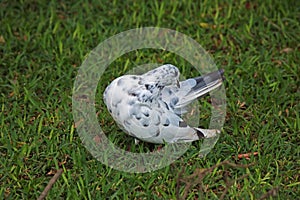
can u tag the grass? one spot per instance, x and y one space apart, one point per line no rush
42 45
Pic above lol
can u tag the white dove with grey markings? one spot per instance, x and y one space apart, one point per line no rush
149 107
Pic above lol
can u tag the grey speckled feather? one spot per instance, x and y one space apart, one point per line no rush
148 107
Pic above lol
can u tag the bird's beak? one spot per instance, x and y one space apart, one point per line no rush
178 84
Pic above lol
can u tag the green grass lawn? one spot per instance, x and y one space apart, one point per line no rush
43 44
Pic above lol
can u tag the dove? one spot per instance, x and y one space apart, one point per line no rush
149 107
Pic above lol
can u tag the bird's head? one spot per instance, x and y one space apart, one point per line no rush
162 76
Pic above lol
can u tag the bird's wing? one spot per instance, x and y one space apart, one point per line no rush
158 125
191 89
143 121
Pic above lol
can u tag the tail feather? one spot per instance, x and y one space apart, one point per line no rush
190 134
207 133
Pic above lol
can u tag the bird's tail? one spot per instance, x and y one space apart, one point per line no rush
207 133
203 85
194 134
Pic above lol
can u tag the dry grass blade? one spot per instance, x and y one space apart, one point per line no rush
51 182
270 193
198 176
